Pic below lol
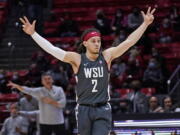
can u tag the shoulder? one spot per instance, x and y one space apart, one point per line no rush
19 118
22 100
39 88
7 120
21 121
58 88
107 54
72 57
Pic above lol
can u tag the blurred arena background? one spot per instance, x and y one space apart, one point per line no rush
145 81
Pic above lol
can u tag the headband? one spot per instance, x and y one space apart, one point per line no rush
90 35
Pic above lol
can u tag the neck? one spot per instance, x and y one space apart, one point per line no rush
29 99
153 108
13 116
48 87
92 56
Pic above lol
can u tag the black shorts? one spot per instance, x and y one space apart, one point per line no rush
49 129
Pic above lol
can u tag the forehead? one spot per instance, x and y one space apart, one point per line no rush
46 77
167 99
13 106
153 99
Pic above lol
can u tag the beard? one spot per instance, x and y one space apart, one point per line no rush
14 115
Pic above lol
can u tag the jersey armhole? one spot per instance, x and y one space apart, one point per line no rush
106 63
76 74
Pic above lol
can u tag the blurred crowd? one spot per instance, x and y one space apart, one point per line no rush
133 68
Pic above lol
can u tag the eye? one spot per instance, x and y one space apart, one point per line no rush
93 41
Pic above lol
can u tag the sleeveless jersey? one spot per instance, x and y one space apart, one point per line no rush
92 81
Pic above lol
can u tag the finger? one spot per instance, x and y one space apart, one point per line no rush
143 14
22 20
9 83
148 11
27 21
152 12
23 26
34 23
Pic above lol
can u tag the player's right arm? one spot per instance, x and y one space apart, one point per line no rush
65 56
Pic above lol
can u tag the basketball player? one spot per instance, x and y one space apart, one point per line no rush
91 68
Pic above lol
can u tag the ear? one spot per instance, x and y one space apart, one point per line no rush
41 81
85 43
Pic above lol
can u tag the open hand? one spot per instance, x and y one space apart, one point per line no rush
18 130
50 101
46 100
148 17
28 28
12 85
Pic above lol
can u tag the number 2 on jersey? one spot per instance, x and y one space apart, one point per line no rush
94 82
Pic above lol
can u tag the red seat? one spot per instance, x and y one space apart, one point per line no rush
3 4
123 92
148 91
3 107
51 24
9 74
12 97
50 30
23 72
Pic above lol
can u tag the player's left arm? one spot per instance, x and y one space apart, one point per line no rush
117 51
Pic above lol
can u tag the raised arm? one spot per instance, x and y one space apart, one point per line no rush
30 91
115 52
65 56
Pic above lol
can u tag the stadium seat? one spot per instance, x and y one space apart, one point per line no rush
148 91
123 91
12 97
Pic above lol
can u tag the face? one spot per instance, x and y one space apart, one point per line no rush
13 110
167 103
153 102
47 80
28 97
93 45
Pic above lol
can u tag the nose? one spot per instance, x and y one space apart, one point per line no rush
97 44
